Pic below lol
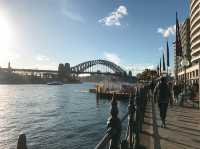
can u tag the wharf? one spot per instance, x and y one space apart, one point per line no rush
182 131
109 95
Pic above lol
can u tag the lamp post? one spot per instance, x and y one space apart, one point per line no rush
185 63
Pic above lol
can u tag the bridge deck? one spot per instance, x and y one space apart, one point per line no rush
182 132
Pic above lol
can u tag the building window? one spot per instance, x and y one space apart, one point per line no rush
197 73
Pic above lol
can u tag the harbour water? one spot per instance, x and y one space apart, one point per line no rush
53 117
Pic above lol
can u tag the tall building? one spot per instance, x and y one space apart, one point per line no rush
195 30
192 72
185 43
185 38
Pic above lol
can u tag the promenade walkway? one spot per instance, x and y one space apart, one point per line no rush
182 132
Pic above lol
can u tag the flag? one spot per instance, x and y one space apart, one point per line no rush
178 38
168 54
160 66
158 70
164 62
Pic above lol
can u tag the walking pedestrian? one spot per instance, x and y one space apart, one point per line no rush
176 92
164 95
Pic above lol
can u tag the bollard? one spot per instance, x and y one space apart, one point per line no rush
114 125
21 143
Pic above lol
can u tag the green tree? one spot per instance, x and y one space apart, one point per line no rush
147 75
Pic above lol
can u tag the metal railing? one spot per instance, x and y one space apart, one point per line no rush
136 108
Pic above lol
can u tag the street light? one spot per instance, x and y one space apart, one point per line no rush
185 63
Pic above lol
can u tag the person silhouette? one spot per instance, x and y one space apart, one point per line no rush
164 93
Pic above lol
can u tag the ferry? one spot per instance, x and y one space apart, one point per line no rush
55 83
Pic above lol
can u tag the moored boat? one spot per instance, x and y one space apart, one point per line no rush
55 83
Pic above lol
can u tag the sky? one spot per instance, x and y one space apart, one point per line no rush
43 33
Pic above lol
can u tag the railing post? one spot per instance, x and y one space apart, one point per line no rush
21 143
131 110
114 125
139 97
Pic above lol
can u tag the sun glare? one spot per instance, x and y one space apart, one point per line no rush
5 33
6 38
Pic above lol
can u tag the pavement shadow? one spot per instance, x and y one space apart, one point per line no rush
177 142
182 128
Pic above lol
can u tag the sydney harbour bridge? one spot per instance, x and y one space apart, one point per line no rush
99 66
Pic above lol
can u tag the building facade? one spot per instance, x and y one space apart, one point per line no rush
195 30
186 48
185 42
192 72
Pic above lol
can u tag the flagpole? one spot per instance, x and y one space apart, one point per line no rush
167 70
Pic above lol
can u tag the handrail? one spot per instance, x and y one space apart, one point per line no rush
114 128
102 143
135 116
106 138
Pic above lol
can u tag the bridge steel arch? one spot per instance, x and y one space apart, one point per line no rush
80 68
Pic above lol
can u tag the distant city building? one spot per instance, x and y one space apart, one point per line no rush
9 66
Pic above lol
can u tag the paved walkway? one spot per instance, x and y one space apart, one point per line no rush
182 132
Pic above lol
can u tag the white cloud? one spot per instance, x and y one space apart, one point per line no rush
112 57
166 32
73 16
115 16
135 68
42 58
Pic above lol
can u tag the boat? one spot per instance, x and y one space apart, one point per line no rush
92 90
55 83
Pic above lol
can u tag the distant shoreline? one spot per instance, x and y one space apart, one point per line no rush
36 83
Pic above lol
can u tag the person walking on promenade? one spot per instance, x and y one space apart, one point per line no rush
164 95
176 92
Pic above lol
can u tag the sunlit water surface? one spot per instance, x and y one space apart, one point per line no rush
53 117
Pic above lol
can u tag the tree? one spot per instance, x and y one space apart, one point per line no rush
147 75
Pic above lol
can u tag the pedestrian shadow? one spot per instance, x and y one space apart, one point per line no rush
148 123
195 140
189 121
147 133
185 116
177 142
183 128
155 128
148 111
147 116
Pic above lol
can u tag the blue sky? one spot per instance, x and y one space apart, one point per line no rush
43 33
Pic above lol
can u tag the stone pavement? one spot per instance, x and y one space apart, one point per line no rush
182 131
